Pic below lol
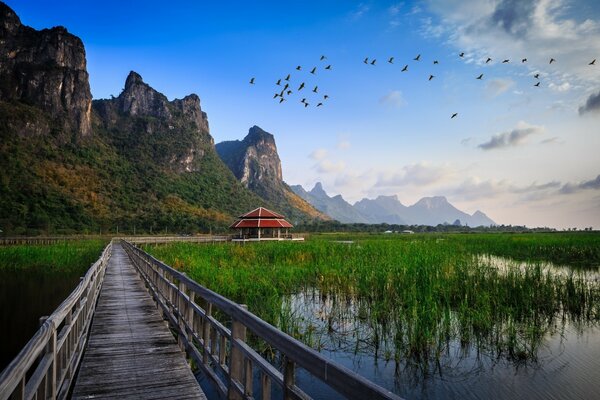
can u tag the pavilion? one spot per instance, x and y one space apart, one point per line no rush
262 224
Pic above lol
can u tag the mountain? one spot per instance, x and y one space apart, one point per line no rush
388 209
336 207
135 162
437 210
384 209
256 164
45 69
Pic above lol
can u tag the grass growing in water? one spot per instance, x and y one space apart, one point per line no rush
405 298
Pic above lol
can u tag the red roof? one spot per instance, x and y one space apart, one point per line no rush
261 218
261 223
261 212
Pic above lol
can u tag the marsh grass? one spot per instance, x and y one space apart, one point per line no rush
65 257
402 298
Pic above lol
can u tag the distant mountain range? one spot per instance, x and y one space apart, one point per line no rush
388 209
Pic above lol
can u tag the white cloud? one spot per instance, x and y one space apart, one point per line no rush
359 11
563 87
497 86
394 98
420 174
514 29
512 138
318 154
326 166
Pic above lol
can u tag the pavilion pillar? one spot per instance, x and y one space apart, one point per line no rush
278 233
258 233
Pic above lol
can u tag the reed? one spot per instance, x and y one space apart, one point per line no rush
409 298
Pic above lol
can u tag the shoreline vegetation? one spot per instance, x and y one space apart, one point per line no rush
61 257
408 298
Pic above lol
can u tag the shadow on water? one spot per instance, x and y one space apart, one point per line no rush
25 296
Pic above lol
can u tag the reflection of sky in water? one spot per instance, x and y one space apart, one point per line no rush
565 366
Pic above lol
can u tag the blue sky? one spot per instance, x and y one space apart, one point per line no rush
522 154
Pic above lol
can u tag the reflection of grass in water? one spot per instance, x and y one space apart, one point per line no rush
68 256
406 298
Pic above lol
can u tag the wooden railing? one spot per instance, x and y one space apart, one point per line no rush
46 365
223 354
6 241
170 239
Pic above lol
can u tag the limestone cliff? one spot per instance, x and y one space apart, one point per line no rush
255 162
176 132
45 69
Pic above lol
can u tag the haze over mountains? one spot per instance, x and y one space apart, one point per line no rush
388 209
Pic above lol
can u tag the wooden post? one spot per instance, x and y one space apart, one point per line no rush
206 332
265 386
51 374
289 378
236 361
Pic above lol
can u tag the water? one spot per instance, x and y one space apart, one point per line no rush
25 296
563 363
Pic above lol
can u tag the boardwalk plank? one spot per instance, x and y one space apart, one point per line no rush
131 354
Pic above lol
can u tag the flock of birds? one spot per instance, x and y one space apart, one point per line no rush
286 90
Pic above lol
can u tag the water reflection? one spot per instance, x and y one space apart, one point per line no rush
25 296
545 352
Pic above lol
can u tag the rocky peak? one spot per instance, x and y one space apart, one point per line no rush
45 69
432 202
9 21
139 99
254 160
318 190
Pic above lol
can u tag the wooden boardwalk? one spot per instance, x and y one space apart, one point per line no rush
131 354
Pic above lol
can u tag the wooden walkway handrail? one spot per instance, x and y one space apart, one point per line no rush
220 351
170 239
45 366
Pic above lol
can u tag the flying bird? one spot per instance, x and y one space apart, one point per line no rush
275 96
289 92
537 76
312 71
319 105
281 100
391 60
303 100
436 62
537 84
287 78
323 57
305 104
417 58
366 61
279 82
488 60
551 61
301 86
524 60
405 68
461 55
325 97
286 86
298 68
431 77
374 61
252 81
480 77
454 115
315 89
328 67
505 61
593 62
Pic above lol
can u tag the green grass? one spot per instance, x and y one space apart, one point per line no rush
68 256
404 297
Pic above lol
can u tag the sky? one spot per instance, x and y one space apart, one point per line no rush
523 154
